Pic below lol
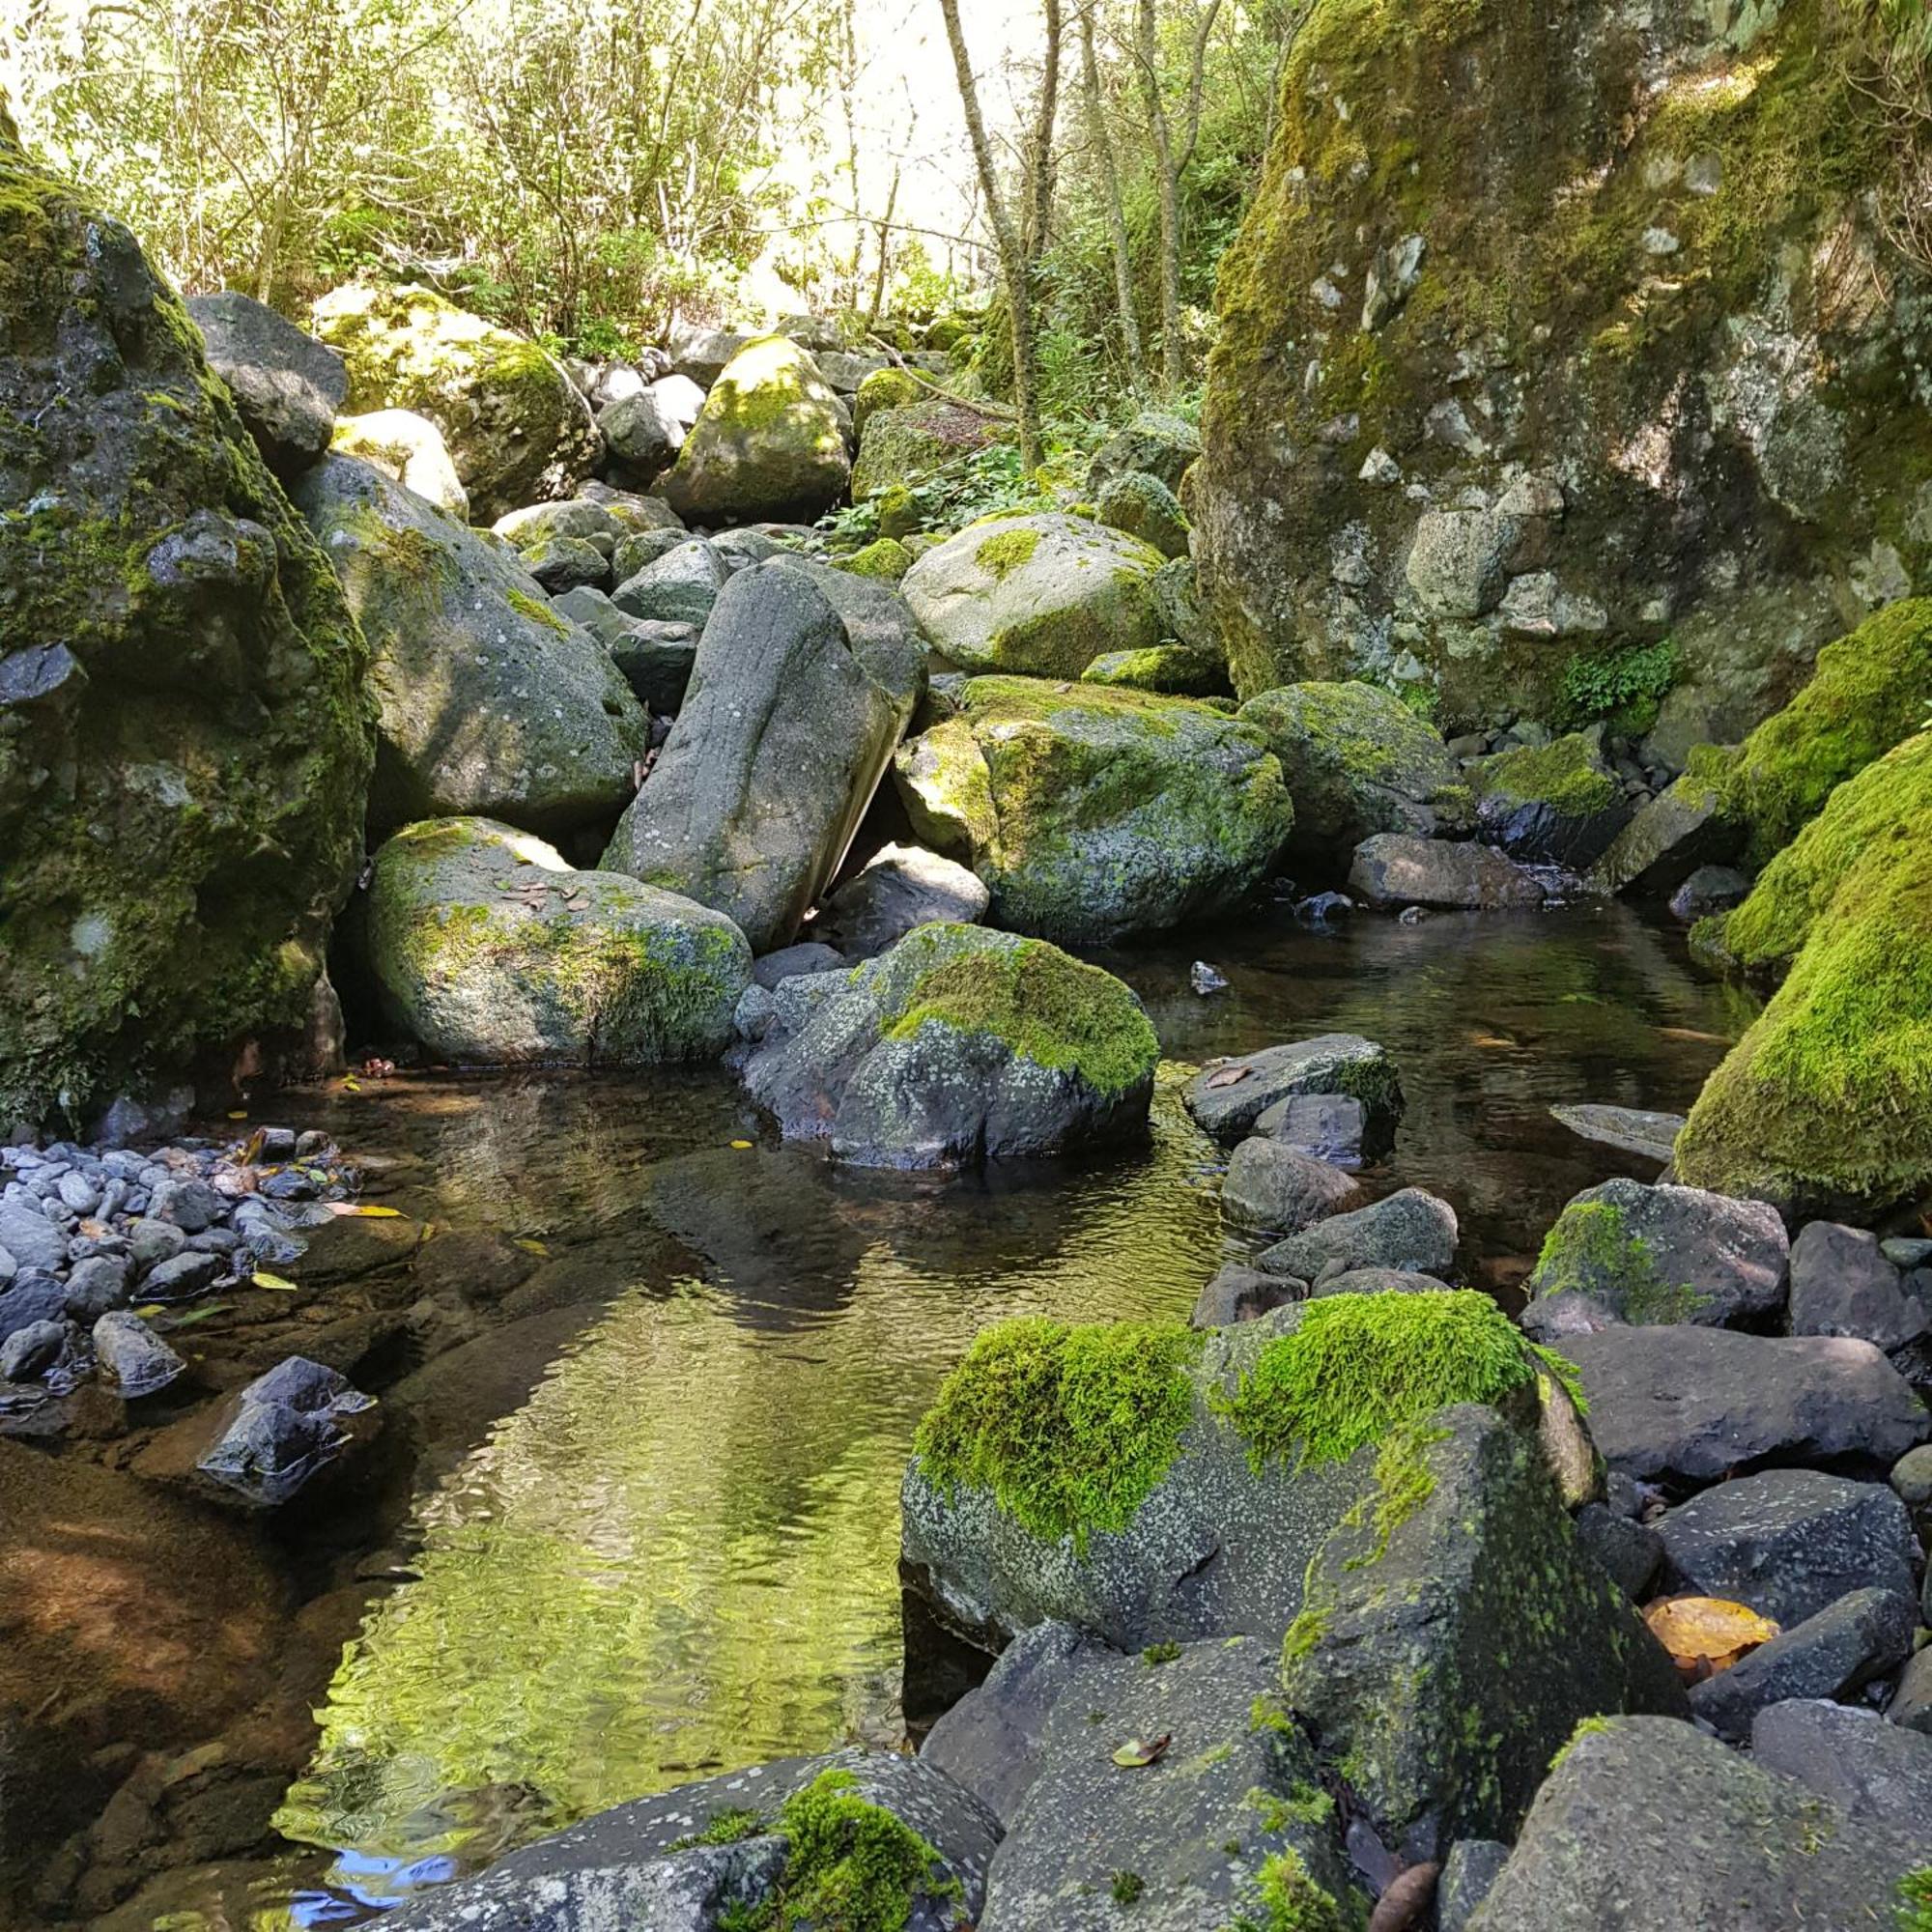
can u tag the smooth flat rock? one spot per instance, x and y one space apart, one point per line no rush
1228 1097
1630 1130
1865 1766
1395 869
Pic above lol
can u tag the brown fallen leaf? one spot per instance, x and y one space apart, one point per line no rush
1229 1076
1139 1752
1706 1634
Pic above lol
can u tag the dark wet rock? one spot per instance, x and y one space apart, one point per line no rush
288 386
1696 1404
1842 1285
992 1742
1395 1658
1606 1845
132 1357
33 1353
636 1867
790 721
1228 1097
1468 1874
1679 831
1240 1294
282 1430
1411 1231
1852 1758
901 886
1709 889
34 1297
181 1279
958 1046
1790 1543
1195 1827
1334 1127
1396 869
1274 1187
1630 1552
191 1204
1624 1252
1861 1637
1378 1281
1630 1130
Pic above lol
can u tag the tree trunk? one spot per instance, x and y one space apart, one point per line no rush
1103 142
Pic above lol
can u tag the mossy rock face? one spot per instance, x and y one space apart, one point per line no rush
770 444
905 444
516 427
885 557
1357 761
1827 1101
1650 1256
492 701
186 738
1424 323
1093 812
1041 594
1156 444
1168 670
1557 804
1145 507
882 390
490 951
956 1046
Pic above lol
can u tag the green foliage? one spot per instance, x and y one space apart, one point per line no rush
1161 1653
1623 686
1359 1366
1292 1901
981 483
1069 1428
1915 1900
1586 1728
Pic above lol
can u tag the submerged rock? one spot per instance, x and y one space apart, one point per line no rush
1394 869
134 1359
957 1045
1093 813
490 950
281 1431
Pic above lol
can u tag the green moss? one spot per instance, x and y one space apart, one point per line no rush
1306 1805
1161 1653
728 1827
1166 670
1869 692
1586 1728
1070 1428
1126 1886
1913 1913
850 1866
1403 1483
1007 551
908 446
1050 1008
1290 1900
537 611
1359 1366
886 558
884 389
1567 775
1591 1251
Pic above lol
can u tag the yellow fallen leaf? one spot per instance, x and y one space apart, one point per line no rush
740 1144
1137 1753
351 1085
239 1117
377 1213
534 1247
1706 1634
150 1309
262 1278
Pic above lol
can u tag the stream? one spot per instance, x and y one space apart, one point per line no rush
653 1530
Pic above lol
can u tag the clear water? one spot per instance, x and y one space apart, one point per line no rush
678 1555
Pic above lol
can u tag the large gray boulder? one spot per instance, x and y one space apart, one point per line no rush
490 702
1647 1823
1852 1758
642 440
408 450
1278 1189
288 386
490 951
1697 1403
1411 1231
788 724
1624 1252
1229 1098
1395 868
705 1857
680 586
958 1046
1453 1635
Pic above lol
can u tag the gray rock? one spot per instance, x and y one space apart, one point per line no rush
640 438
1911 1703
1696 1404
1378 1281
701 355
1709 889
282 1430
1852 1758
1195 1827
1650 1136
192 1205
1277 1188
288 386
1625 1252
150 1240
537 524
790 962
132 1357
1240 1294
901 887
1861 1637
680 586
789 722
1630 1552
637 552
1395 869
1606 1846
187 1275
1457 564
1227 1098
97 1285
409 449
78 1192
1911 1477
1410 1230
1395 1660
490 701
1161 444
1678 831
1842 1285
33 1350
567 563
30 1237
34 1295
655 659
1789 1542
1468 1874
636 1867
1335 1127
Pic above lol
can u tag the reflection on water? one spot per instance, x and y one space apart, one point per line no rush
679 1553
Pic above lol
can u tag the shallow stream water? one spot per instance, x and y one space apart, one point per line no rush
656 1527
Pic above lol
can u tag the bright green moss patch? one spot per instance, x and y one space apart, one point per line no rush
537 611
1007 551
852 1866
1586 1728
728 1827
1567 775
1070 1428
1403 1483
886 558
1591 1251
1290 1900
1359 1366
1915 1900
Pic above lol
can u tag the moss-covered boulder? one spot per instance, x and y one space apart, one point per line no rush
409 449
884 389
1156 444
770 444
909 443
517 429
1094 812
1558 803
492 702
1686 825
184 735
1495 246
1169 671
1828 1100
1151 1483
1043 594
883 558
958 1046
490 950
1145 507
1357 761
